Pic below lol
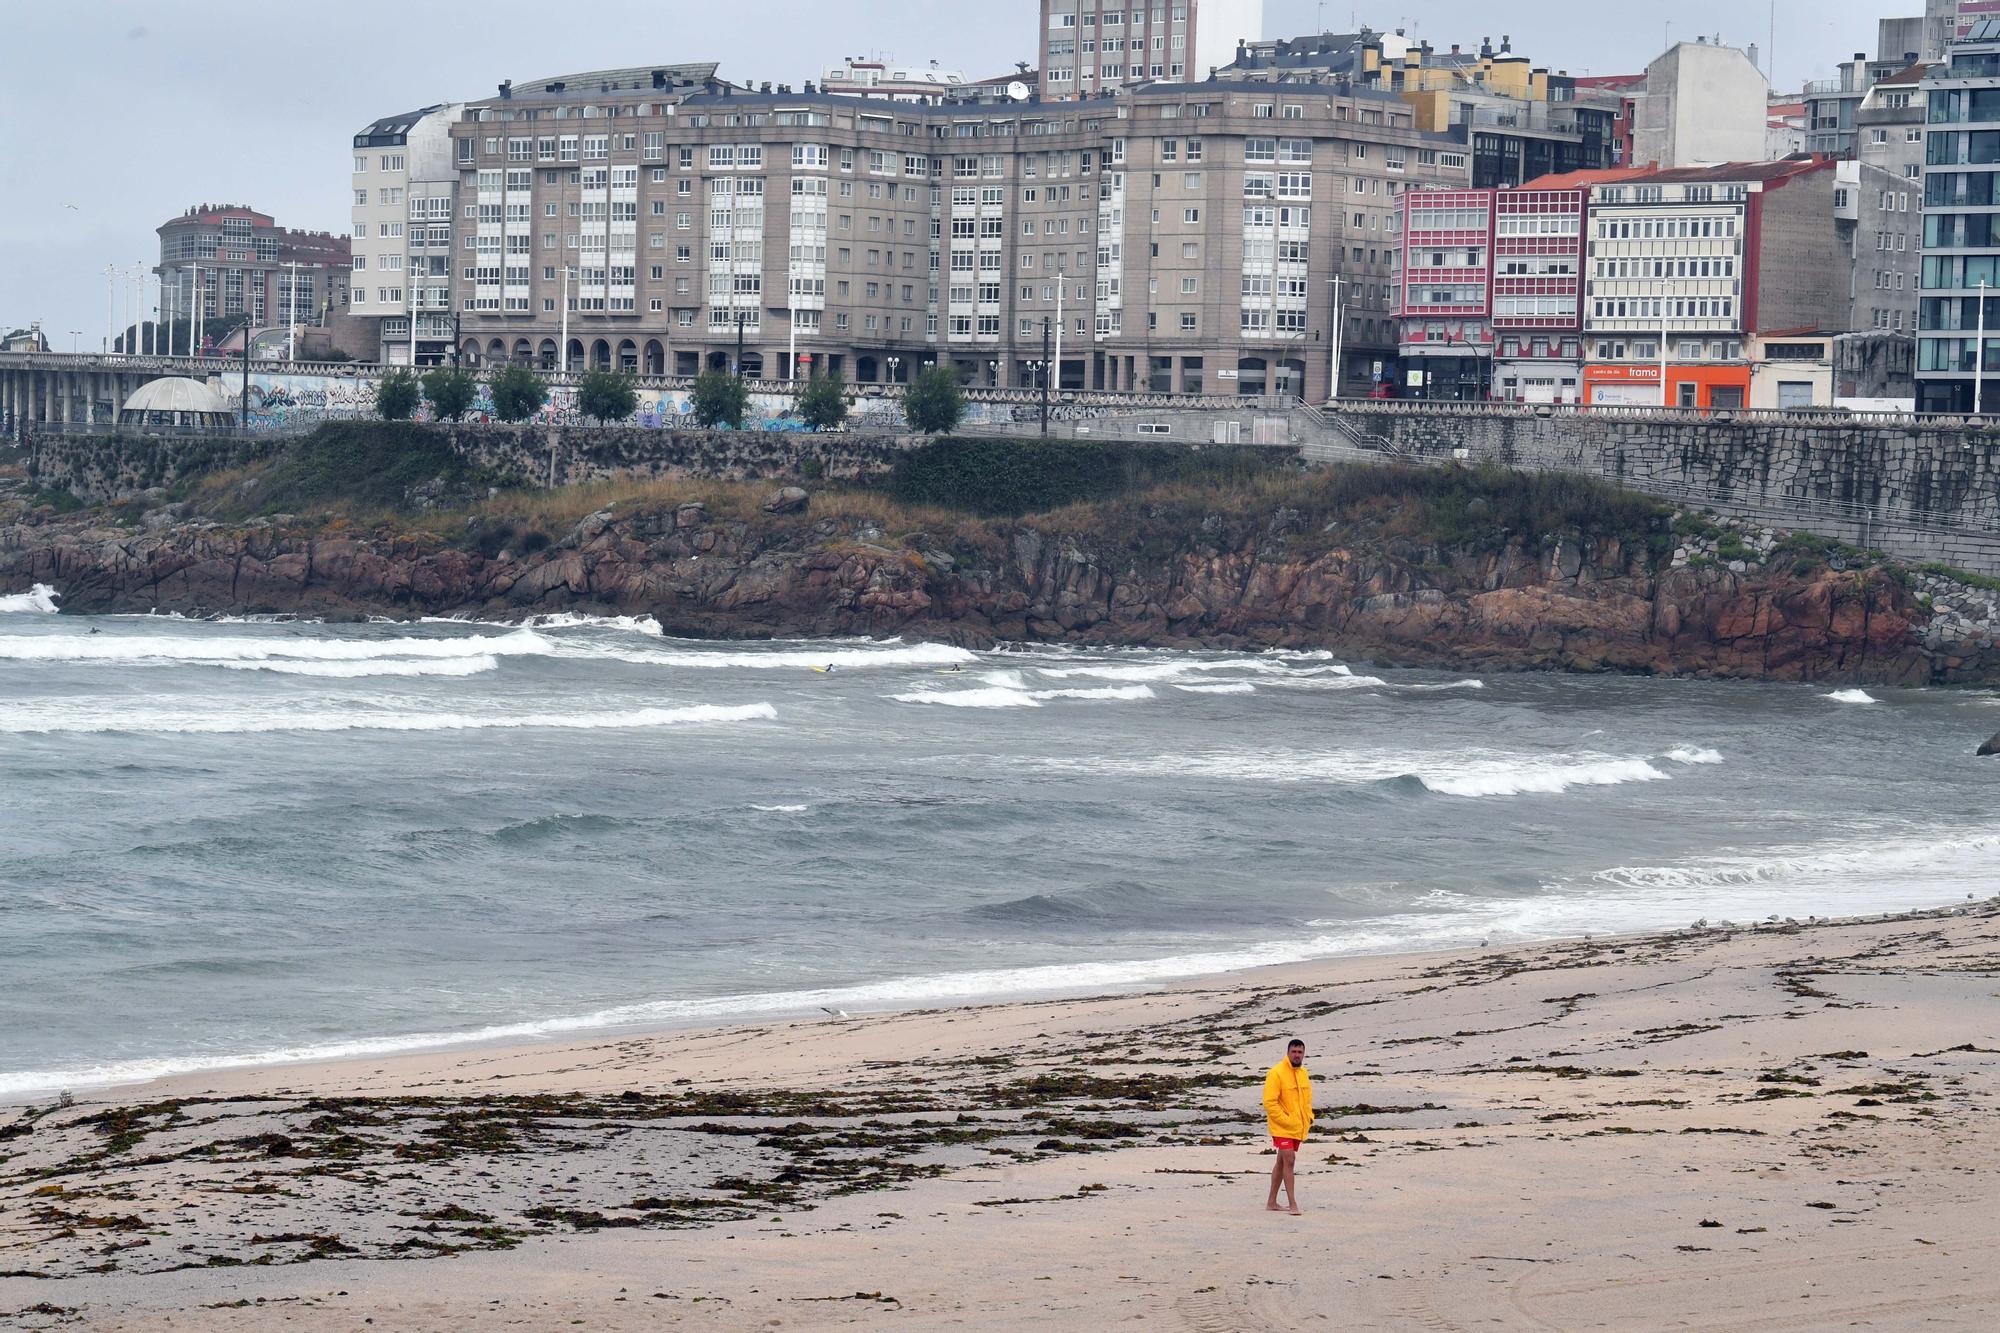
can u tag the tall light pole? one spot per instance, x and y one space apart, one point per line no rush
567 270
1663 345
1045 377
110 305
1979 358
1333 354
1062 282
291 267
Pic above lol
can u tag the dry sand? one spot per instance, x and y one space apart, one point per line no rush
1778 1128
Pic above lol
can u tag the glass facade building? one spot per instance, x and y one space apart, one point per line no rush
1961 254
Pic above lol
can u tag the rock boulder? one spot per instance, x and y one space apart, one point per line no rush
1991 747
790 500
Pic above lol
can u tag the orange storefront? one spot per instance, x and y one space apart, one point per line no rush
1625 384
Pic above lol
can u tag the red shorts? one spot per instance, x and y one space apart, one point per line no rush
1285 1145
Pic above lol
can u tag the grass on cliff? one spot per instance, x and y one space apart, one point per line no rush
355 468
964 495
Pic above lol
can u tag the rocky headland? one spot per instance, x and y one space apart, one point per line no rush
1470 570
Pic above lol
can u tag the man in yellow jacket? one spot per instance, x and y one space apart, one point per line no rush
1288 1107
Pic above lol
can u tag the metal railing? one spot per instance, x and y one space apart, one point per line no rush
1819 416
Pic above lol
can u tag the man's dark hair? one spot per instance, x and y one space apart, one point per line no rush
1295 1042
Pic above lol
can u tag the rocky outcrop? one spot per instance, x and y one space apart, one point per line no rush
1991 747
1231 581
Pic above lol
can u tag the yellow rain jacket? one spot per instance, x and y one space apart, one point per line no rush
1288 1101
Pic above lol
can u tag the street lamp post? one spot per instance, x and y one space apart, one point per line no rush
1979 358
1045 377
1333 353
567 272
895 368
739 344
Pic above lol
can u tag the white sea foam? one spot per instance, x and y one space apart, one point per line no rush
38 600
98 718
444 666
571 620
1468 774
1541 778
112 648
840 659
1688 754
1939 861
1225 687
1852 697
1449 685
782 809
1000 696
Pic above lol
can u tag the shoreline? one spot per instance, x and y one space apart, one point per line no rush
1744 1128
796 1007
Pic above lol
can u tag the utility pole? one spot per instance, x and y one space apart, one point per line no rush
1045 377
110 306
739 345
1062 281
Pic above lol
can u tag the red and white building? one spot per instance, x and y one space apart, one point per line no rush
1445 300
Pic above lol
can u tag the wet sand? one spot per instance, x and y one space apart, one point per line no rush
1779 1127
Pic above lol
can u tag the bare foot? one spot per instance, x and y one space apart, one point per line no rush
1296 1212
1272 1207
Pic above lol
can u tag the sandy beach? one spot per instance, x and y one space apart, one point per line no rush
1786 1126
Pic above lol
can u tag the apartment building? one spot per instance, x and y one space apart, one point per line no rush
1961 228
405 193
1097 46
1518 120
1701 103
230 259
1492 292
858 77
1948 21
1683 267
1179 237
1889 124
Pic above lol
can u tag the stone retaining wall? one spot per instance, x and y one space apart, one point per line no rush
1917 491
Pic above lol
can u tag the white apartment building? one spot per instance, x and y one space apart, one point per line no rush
1097 46
405 188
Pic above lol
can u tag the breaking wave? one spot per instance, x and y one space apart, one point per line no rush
1474 774
38 600
1003 696
110 648
444 666
1852 697
26 721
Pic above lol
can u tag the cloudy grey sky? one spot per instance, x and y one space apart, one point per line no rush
130 110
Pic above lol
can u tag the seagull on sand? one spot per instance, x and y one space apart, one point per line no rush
837 1013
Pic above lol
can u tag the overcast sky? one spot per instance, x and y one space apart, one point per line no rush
131 110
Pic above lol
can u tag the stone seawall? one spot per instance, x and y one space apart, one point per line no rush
1915 491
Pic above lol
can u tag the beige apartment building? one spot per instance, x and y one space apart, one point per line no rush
1179 237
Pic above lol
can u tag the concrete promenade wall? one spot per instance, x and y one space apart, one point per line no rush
1916 490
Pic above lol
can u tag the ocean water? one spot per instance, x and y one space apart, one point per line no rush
237 843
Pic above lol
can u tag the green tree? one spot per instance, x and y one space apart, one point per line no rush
397 395
823 403
450 392
518 393
935 404
606 397
720 399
